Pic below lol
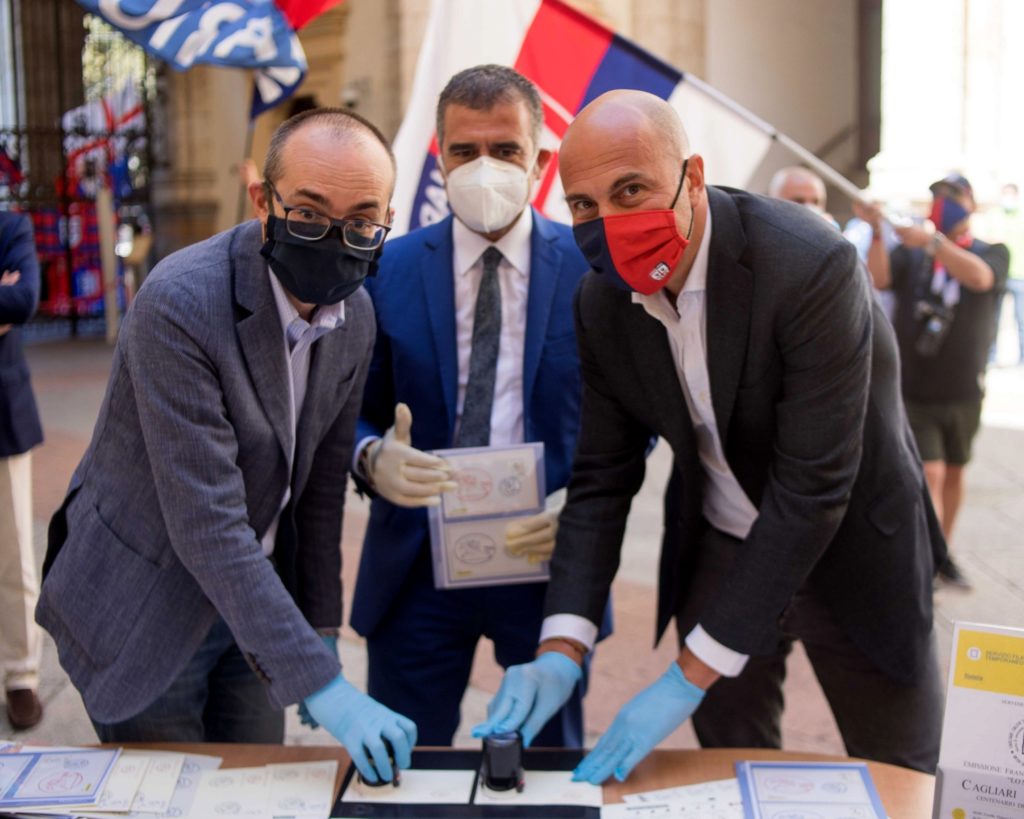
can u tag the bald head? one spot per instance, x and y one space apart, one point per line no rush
797 184
626 116
627 152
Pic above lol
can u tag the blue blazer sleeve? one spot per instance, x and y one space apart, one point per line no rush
18 302
378 407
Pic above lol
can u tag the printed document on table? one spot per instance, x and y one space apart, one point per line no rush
301 790
673 810
717 790
542 788
495 487
154 799
419 787
122 784
981 759
231 792
717 799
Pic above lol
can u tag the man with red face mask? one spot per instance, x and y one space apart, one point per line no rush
945 283
742 331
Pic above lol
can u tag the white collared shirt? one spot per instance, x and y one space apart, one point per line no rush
725 504
468 248
299 336
514 280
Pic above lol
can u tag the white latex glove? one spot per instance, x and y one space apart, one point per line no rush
534 536
402 474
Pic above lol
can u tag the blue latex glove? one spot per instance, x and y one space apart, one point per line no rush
362 724
529 696
642 723
304 717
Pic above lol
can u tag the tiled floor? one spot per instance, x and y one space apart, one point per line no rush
70 378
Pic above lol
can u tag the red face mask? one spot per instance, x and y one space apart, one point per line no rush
635 251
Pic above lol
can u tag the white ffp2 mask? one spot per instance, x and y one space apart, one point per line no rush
487 194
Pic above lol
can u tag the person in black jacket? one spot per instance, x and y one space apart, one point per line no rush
742 331
20 430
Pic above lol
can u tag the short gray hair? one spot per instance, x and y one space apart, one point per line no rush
484 86
783 175
340 120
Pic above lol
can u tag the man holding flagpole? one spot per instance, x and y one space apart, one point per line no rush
740 330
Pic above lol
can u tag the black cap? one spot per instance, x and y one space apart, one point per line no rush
958 182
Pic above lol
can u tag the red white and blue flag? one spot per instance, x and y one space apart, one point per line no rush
572 59
257 34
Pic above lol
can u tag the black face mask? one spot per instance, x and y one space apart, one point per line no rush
324 271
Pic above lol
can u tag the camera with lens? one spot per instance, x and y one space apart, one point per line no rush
937 319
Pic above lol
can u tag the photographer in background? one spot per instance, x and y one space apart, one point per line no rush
946 283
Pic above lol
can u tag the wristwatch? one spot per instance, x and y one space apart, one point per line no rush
363 464
933 243
577 648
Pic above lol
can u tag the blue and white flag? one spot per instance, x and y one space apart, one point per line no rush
257 34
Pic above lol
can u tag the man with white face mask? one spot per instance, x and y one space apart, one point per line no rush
475 342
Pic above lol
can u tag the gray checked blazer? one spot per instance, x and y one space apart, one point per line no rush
160 530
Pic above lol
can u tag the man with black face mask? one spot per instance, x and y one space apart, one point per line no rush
742 331
193 575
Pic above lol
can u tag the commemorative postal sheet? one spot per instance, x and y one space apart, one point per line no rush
495 487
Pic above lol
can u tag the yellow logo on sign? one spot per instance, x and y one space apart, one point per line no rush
990 662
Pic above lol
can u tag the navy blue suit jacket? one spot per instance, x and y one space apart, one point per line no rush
415 362
19 420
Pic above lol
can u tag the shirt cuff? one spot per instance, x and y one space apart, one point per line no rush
572 626
722 659
363 444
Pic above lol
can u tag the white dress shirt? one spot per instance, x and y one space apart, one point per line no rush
299 336
514 282
725 504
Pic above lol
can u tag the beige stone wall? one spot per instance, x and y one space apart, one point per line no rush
206 119
674 30
794 64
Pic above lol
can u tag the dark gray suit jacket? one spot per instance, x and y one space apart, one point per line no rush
805 386
188 463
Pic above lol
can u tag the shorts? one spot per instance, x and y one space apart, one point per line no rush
944 431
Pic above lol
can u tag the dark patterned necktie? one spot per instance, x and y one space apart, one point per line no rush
475 426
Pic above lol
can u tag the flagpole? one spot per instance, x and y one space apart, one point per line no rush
822 168
815 163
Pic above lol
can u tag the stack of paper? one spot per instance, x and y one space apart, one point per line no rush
719 799
134 785
303 790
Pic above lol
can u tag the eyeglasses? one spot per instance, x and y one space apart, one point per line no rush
311 226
